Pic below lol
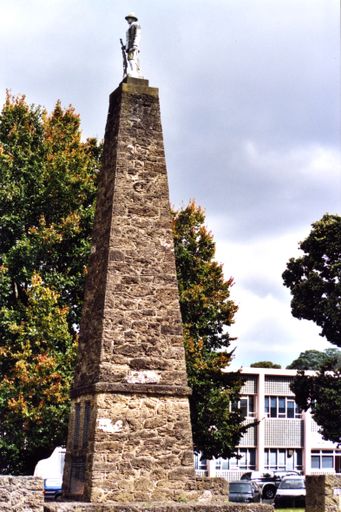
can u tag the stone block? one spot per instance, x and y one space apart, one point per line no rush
323 493
21 494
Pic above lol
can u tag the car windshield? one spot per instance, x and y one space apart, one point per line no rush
240 487
292 484
246 476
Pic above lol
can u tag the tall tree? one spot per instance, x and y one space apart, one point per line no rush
314 279
315 283
207 311
47 191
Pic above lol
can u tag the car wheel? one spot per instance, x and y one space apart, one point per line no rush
269 492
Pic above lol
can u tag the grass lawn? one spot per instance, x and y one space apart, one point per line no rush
289 509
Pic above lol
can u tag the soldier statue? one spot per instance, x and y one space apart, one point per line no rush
131 49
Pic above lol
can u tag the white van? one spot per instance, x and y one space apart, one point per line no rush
51 470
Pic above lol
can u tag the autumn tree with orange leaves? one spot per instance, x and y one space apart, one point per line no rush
47 192
36 367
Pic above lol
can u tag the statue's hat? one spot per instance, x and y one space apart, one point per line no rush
131 15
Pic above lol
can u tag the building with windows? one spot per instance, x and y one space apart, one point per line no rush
285 437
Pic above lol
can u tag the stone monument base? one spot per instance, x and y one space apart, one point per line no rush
201 495
222 506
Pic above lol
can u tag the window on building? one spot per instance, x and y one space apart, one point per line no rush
290 408
324 459
283 459
281 407
246 460
199 463
246 404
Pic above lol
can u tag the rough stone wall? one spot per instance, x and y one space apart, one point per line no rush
226 507
129 431
321 495
21 494
138 448
131 327
139 451
148 457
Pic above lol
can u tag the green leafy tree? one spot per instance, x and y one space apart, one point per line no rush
47 191
314 359
265 364
314 279
322 394
315 283
207 311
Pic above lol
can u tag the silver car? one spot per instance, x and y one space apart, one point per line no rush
244 491
291 492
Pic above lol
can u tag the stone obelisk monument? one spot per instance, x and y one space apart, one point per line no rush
129 439
129 435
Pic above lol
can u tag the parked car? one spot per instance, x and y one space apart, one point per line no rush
244 491
53 489
291 492
269 481
51 470
279 474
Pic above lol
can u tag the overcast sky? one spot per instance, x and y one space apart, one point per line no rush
250 101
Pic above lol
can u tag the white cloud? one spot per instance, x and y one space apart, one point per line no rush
264 325
254 190
325 164
310 162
